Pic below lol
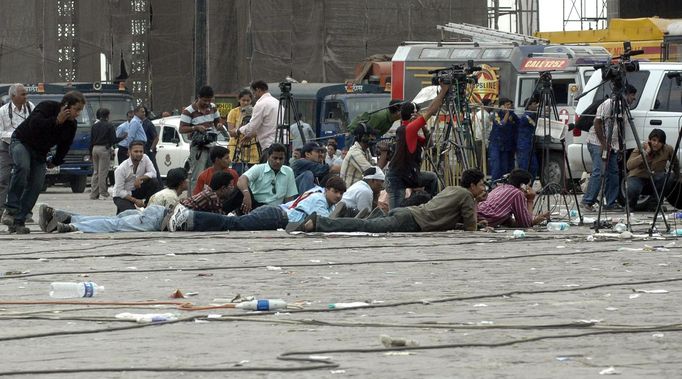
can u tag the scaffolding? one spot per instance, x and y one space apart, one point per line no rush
581 12
516 16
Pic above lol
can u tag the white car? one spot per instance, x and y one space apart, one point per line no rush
172 150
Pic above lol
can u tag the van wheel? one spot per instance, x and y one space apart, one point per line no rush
78 184
553 169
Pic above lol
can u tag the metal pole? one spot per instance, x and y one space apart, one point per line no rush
199 45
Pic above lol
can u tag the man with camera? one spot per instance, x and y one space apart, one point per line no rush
202 120
263 123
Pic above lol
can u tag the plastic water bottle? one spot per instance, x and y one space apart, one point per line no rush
66 290
619 227
519 234
676 215
262 305
557 226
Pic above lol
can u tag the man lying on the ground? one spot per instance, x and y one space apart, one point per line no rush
146 219
176 184
511 204
454 205
266 217
316 200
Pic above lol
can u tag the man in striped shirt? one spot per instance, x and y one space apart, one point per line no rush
202 120
358 159
211 198
511 204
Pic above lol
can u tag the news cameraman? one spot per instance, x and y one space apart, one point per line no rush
404 170
202 120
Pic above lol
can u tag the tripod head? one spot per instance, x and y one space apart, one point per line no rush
457 76
285 87
616 72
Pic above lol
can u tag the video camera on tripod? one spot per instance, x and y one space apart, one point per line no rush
285 87
455 74
615 72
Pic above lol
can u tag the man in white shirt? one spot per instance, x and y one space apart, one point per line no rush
361 195
263 123
135 179
11 115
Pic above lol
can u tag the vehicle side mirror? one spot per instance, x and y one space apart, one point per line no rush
176 141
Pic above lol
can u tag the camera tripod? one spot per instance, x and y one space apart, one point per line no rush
547 110
287 112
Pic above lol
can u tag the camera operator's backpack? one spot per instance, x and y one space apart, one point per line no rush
587 118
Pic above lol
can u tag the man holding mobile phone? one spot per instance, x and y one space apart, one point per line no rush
51 123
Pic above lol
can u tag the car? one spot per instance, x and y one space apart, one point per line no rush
173 147
658 105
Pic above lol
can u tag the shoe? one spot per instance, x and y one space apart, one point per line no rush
363 213
375 213
178 220
21 229
65 228
614 207
45 215
587 207
339 210
307 225
166 219
293 227
7 218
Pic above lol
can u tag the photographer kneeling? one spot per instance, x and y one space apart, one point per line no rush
657 154
404 170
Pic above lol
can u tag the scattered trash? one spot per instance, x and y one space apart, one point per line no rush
273 268
630 249
202 274
391 353
241 363
589 238
388 341
657 335
147 318
177 295
519 234
337 371
611 308
625 235
620 227
480 305
347 305
650 291
320 357
634 296
66 290
609 371
558 226
561 247
262 305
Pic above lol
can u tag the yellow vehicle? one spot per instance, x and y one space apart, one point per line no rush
659 38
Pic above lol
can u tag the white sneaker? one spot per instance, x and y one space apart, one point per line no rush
178 220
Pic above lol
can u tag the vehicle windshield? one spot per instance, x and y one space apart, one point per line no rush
117 106
362 104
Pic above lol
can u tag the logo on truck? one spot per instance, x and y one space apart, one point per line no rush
488 84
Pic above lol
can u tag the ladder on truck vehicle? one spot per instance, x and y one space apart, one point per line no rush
479 33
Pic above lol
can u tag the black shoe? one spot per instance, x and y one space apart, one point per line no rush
376 212
65 228
363 213
21 229
45 216
339 210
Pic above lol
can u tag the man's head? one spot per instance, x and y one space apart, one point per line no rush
656 139
221 184
518 177
176 179
140 112
17 93
472 179
375 178
74 101
136 150
409 111
259 88
129 115
334 189
506 103
630 94
245 98
486 104
166 114
365 135
277 156
220 156
297 153
205 97
394 109
532 103
311 151
332 146
103 114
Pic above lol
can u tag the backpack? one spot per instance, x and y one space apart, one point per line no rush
587 119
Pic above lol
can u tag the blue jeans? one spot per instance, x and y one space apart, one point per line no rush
396 188
27 180
638 186
500 161
147 220
305 181
612 183
266 217
397 220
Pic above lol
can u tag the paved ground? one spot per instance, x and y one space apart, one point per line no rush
478 305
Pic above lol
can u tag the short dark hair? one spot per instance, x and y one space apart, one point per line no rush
417 198
217 152
278 148
519 176
220 180
136 142
471 176
394 106
332 142
245 92
175 177
137 109
259 84
504 100
72 98
630 89
407 109
102 113
658 134
336 183
205 91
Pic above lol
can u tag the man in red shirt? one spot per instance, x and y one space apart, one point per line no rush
220 156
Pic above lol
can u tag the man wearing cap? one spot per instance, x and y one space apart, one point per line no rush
311 167
362 194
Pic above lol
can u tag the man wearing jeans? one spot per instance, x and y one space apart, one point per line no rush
604 153
51 123
267 217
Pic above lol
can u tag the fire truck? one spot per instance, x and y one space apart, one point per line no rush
508 69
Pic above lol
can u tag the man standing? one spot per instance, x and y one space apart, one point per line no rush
202 120
263 123
269 183
122 136
102 137
51 123
11 115
135 179
502 140
152 140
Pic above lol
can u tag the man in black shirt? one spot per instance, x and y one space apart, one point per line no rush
152 140
51 123
102 137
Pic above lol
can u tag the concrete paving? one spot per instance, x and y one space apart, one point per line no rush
477 304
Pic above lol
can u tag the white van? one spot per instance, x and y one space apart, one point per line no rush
658 105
